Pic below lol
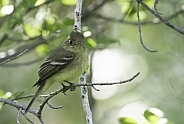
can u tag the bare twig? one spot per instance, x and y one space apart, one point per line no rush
14 65
155 6
65 88
16 105
120 20
177 13
14 24
22 97
18 115
108 83
48 97
78 15
84 90
21 50
14 57
165 21
18 95
52 107
140 34
34 7
123 21
85 101
27 118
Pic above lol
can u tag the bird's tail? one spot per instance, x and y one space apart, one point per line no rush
38 92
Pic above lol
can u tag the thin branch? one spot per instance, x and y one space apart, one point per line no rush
108 83
153 21
84 90
78 15
21 50
140 32
62 90
5 36
85 101
18 95
34 7
14 57
39 111
52 107
111 19
178 12
18 116
14 65
27 118
155 6
165 21
22 97
15 104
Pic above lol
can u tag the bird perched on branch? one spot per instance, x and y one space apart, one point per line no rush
65 63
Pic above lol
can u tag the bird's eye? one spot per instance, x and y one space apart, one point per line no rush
70 42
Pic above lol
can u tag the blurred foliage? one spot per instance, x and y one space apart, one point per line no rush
68 2
127 120
41 25
150 117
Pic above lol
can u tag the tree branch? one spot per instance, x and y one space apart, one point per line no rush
108 83
21 50
140 32
165 21
153 21
155 6
18 115
85 101
78 15
84 90
14 65
82 84
14 57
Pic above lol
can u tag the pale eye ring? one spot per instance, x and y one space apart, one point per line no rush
70 42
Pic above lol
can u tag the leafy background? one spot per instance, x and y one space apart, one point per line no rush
111 36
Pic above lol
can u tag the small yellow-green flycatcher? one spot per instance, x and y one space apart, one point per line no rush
65 63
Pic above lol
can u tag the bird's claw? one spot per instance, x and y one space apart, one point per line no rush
71 86
65 88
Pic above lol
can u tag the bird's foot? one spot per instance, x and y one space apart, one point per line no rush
65 88
71 86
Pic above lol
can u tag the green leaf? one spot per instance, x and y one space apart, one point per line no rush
151 117
5 95
31 30
42 49
51 19
39 2
5 2
127 120
68 2
91 42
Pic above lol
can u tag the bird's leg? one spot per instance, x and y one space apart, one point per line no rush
71 85
65 88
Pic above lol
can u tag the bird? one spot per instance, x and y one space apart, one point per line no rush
65 63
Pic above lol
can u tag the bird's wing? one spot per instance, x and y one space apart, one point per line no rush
51 67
